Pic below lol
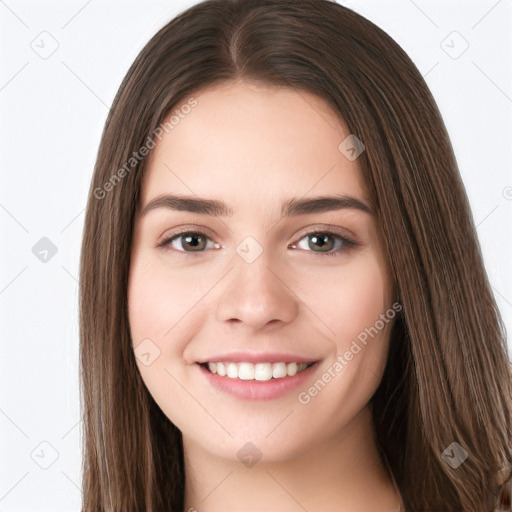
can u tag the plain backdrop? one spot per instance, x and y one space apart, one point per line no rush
61 65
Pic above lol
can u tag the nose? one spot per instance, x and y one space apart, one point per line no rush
257 295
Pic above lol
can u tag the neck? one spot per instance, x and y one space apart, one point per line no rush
343 473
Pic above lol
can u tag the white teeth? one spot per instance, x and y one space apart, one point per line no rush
245 371
262 371
232 370
258 371
279 370
292 368
221 369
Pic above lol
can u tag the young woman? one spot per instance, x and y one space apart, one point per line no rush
283 299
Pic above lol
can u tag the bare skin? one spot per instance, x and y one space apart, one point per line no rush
254 148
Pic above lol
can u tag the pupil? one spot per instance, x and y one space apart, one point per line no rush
189 239
320 240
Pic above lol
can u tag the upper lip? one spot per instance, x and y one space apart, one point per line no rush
258 357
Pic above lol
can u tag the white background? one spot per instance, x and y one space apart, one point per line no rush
52 116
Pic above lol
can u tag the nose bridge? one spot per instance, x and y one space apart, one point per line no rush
256 293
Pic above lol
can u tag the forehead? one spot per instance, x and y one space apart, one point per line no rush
243 141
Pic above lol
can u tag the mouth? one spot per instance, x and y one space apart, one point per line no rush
262 371
262 380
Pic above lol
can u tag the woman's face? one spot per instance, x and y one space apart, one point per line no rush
258 281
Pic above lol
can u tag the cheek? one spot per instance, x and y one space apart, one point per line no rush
148 300
356 308
157 311
157 299
351 298
364 299
155 305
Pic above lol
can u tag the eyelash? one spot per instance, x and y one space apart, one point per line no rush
347 243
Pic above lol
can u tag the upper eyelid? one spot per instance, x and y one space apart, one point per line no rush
335 230
321 228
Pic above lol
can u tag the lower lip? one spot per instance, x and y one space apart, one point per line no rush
255 389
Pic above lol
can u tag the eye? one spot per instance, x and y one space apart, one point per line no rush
329 242
326 240
194 240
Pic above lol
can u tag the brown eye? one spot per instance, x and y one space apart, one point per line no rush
322 240
187 241
325 243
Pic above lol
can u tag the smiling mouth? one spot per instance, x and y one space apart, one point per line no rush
258 371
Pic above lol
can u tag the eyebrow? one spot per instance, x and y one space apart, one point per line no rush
291 208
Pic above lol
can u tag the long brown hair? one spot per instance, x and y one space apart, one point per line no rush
448 377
